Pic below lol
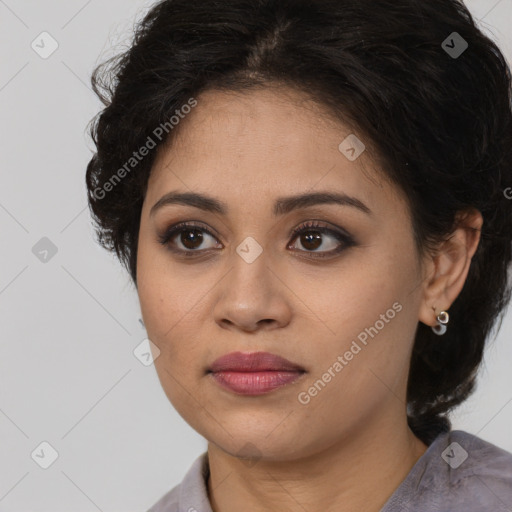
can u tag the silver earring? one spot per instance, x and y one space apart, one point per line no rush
442 320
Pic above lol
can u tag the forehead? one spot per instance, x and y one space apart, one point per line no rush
262 142
278 118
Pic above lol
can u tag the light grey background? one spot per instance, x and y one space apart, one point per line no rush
68 375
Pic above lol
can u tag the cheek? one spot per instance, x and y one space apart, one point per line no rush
159 287
158 299
171 328
368 309
171 310
167 322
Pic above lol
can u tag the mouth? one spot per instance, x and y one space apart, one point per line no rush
254 373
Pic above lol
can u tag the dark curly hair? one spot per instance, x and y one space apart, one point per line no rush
439 125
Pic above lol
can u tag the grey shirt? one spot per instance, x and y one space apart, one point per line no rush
459 472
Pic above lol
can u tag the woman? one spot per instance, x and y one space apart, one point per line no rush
310 198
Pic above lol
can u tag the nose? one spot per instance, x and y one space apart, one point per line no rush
252 296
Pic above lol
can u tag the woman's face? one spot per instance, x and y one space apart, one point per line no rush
344 310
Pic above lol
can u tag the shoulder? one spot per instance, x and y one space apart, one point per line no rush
477 457
472 472
459 472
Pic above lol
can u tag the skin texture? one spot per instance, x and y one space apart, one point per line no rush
349 447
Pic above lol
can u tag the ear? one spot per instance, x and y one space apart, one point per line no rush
447 270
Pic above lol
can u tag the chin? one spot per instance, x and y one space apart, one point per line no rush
248 444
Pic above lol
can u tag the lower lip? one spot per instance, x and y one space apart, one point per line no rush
255 383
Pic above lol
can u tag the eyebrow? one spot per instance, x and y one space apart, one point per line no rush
282 206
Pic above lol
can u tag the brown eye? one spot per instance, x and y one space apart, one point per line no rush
312 236
312 240
191 238
187 238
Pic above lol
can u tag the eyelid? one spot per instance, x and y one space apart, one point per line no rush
320 225
345 240
174 229
343 237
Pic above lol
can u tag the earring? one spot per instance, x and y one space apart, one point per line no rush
442 320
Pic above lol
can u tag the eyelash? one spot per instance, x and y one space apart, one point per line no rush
346 239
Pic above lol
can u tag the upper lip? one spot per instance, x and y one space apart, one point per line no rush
254 361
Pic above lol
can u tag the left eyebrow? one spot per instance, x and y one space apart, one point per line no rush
282 206
285 205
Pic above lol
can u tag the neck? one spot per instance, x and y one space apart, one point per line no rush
360 472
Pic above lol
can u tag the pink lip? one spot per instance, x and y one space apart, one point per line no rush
255 373
253 362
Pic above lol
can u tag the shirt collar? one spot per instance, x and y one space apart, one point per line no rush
193 495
